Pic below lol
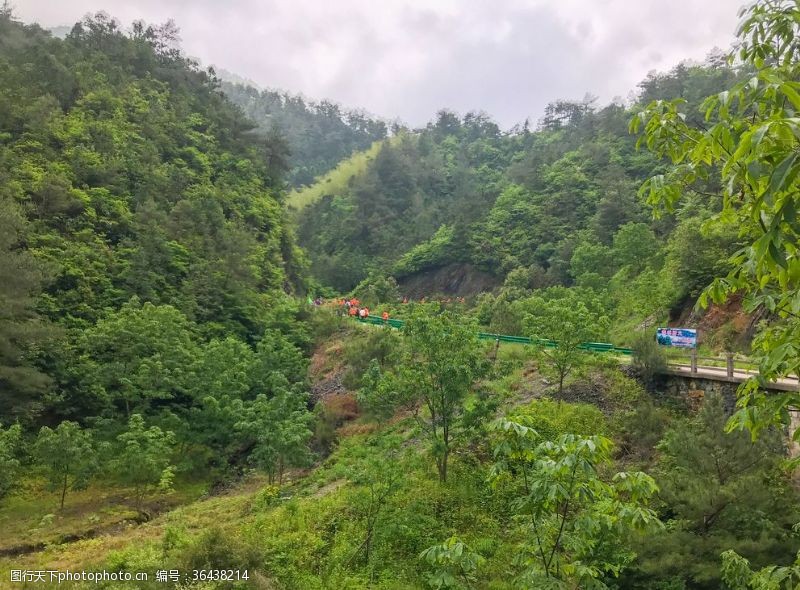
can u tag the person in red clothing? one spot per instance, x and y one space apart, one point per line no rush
353 311
366 312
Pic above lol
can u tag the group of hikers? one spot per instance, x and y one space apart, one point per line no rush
353 308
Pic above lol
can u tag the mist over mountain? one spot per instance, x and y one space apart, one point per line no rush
318 135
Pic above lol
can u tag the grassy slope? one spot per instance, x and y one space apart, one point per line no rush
294 529
31 516
94 552
237 513
336 180
316 520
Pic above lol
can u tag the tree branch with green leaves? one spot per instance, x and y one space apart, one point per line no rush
749 147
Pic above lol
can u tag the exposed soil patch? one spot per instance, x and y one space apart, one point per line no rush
714 320
463 280
328 387
329 488
532 386
587 391
593 388
325 360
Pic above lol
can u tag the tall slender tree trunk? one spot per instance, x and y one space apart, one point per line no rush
368 544
63 491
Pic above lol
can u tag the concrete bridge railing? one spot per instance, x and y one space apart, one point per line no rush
729 368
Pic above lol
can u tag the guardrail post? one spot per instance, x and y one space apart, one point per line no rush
729 359
694 362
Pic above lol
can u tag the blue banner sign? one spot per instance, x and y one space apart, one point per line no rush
680 337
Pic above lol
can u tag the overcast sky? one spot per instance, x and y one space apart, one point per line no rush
408 58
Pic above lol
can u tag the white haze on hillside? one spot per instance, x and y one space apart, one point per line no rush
409 58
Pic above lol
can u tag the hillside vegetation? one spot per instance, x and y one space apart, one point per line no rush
536 209
175 404
316 136
336 181
148 336
377 512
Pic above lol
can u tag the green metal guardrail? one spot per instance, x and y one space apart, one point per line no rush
588 346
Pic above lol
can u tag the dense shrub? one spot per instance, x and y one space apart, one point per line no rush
377 344
552 419
649 359
332 412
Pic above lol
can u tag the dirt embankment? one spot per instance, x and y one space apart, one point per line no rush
326 371
727 326
457 279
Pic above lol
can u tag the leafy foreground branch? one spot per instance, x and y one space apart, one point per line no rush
578 525
737 574
748 147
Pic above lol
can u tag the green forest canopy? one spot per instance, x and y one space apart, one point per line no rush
146 254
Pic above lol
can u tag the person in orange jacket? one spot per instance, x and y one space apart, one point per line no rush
353 311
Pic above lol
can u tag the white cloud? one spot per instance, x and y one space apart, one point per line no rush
408 58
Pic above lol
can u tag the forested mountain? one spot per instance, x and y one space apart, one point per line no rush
551 206
145 247
448 174
318 135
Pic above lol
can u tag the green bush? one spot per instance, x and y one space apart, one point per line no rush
374 343
622 391
649 359
552 419
510 357
326 322
641 430
376 289
217 549
435 252
265 498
